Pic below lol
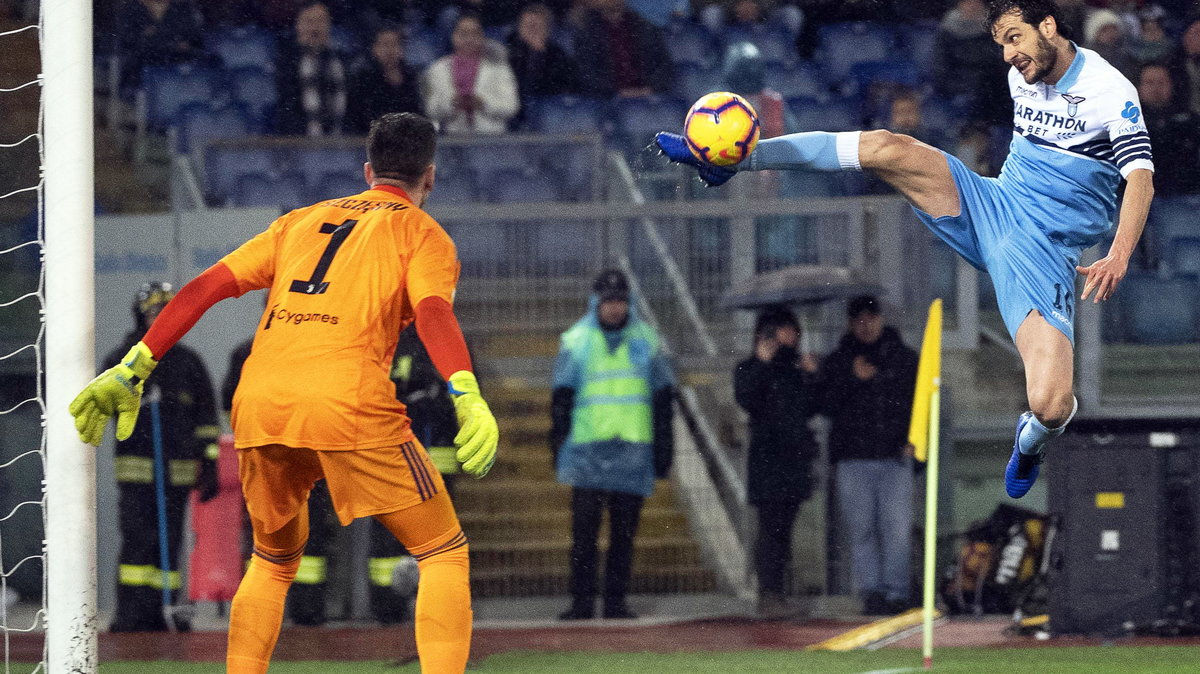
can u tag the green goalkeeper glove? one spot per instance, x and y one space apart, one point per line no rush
477 431
116 392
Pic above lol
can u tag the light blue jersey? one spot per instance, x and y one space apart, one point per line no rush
1056 194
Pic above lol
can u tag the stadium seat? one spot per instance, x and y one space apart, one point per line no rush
841 45
255 87
826 114
1174 217
224 166
689 44
566 114
480 245
344 40
333 185
692 82
520 186
574 172
169 89
201 123
565 248
1160 311
242 47
938 113
453 188
791 81
1184 256
774 43
316 163
486 160
638 119
918 43
422 48
892 71
287 191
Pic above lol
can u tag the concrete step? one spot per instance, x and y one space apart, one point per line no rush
674 579
555 525
526 556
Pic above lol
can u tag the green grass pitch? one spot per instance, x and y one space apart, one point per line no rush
1042 660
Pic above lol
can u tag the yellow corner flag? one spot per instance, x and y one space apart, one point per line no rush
929 375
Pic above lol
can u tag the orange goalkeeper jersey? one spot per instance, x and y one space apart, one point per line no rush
344 277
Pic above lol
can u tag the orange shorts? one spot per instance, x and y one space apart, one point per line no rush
276 481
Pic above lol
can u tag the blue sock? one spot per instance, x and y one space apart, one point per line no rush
810 150
1034 435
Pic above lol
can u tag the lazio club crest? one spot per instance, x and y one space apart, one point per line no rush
1073 103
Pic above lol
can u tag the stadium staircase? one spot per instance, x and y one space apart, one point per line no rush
518 519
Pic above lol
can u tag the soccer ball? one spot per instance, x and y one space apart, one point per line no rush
721 129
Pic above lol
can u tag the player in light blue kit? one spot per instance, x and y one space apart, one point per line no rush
1077 131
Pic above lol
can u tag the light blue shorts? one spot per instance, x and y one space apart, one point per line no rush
993 233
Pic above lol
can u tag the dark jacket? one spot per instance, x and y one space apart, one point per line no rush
371 96
1175 140
234 374
870 418
780 399
328 80
144 41
421 388
547 73
188 409
597 76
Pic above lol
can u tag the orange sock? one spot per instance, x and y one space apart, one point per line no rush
433 536
257 611
443 619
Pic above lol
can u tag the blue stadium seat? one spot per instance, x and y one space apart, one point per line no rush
344 40
423 47
826 114
774 43
1184 256
242 47
938 113
638 119
486 160
841 45
200 124
315 163
918 43
893 71
802 79
480 245
498 33
255 87
1174 217
453 188
169 89
692 82
224 165
566 114
689 44
333 185
287 191
1158 311
574 172
520 186
563 248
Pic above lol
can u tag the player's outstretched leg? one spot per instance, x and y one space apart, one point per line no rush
433 536
257 609
1049 370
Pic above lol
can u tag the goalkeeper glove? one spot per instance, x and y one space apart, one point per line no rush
116 392
477 431
674 146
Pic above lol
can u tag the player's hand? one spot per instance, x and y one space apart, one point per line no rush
115 392
477 431
675 148
1103 276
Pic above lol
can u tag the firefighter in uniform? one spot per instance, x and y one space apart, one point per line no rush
189 431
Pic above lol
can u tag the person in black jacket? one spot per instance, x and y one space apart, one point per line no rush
384 83
867 392
542 67
777 388
625 54
310 76
187 427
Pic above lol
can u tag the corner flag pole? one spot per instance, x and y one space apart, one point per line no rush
923 435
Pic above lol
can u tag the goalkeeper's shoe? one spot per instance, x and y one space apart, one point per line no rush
1022 469
675 147
116 392
478 434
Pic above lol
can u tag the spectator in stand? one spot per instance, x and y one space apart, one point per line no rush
310 76
867 392
156 33
491 13
472 89
1154 45
1174 133
384 83
542 68
1104 33
776 386
1190 66
610 435
625 54
965 68
717 16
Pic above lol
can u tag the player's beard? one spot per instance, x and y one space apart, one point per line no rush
1045 59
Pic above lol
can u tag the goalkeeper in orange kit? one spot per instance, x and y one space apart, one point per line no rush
315 401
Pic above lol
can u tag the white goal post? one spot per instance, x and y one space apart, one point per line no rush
68 196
